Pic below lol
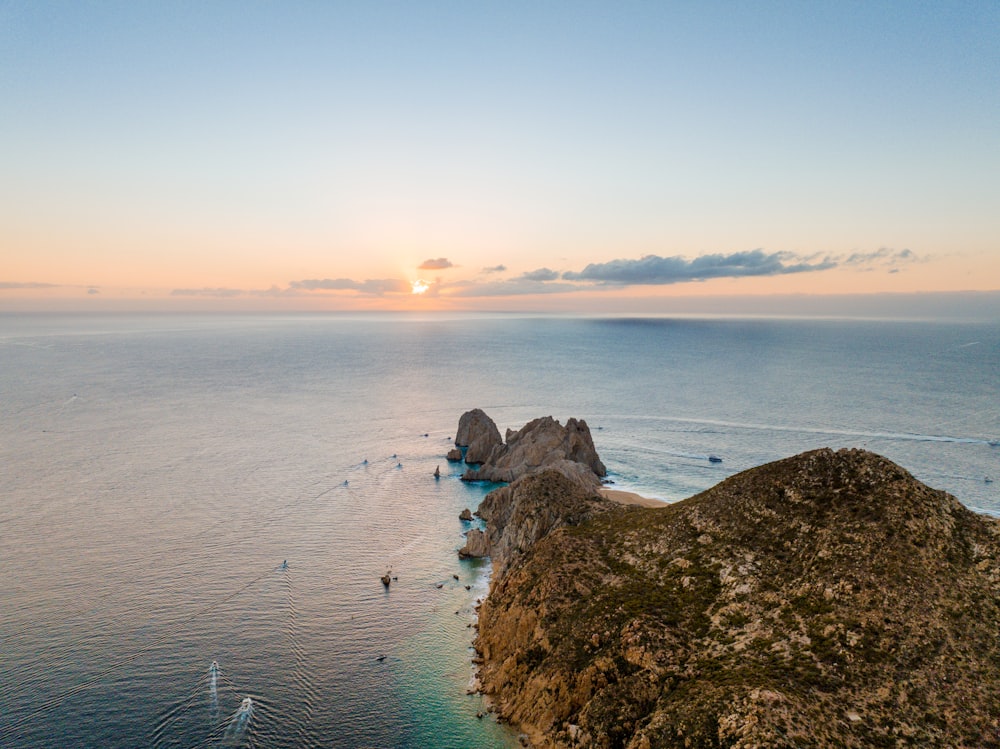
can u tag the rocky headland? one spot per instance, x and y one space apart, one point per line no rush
555 467
825 600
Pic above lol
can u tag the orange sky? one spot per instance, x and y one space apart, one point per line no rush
315 158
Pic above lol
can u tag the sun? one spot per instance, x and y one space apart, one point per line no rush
419 287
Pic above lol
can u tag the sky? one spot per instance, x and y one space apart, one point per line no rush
559 156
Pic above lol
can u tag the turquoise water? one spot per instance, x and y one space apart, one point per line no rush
159 470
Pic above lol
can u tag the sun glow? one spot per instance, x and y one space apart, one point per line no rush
419 287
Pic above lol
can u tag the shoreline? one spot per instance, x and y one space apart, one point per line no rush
631 498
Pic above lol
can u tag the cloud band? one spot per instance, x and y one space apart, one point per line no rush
656 270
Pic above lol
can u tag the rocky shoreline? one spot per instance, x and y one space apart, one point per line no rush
828 599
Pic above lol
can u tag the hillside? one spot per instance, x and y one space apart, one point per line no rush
828 599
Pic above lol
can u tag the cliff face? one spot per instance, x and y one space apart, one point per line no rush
519 514
829 599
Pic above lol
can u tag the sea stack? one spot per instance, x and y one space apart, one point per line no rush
476 545
541 444
478 434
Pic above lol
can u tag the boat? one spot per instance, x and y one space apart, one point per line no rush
714 459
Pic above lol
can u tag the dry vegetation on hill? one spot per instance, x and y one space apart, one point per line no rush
828 599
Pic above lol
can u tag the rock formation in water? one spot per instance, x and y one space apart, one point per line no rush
476 545
825 600
478 434
540 444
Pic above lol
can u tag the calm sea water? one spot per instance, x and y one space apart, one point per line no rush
158 472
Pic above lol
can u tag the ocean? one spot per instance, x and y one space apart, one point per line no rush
195 510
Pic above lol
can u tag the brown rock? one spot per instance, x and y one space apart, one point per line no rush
540 444
529 509
476 545
478 434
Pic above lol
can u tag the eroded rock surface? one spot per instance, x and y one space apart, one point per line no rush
476 545
519 514
478 434
542 443
826 600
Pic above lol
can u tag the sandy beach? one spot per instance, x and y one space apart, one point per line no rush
631 498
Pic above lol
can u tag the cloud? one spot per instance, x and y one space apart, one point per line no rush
376 287
385 286
515 287
648 270
373 287
435 264
227 293
542 274
884 257
217 292
93 290
656 270
273 291
328 284
495 269
26 285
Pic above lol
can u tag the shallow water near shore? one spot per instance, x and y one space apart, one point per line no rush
159 472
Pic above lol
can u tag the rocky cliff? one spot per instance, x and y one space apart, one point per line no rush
519 514
542 443
826 600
